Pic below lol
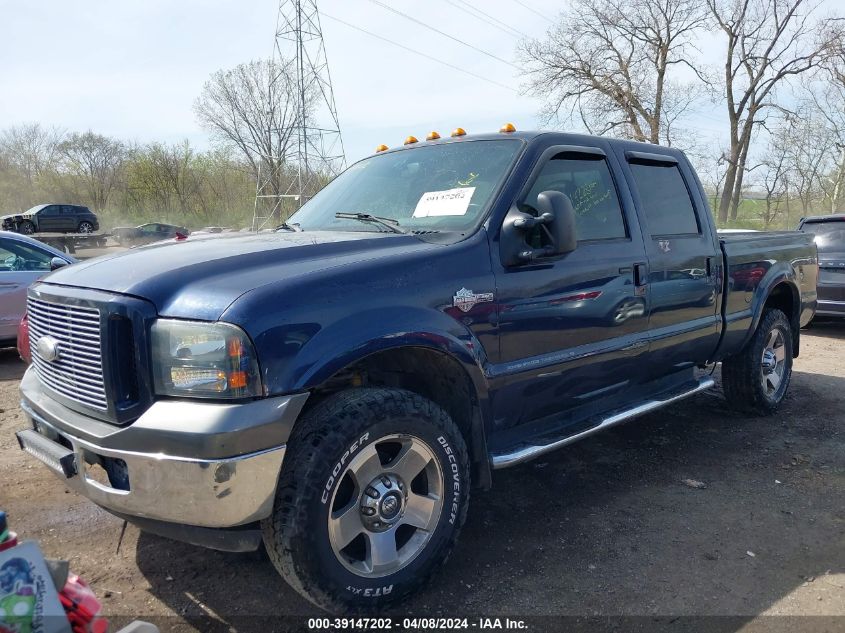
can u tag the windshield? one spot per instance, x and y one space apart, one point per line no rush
829 236
444 187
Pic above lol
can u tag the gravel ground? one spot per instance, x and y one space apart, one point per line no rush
607 527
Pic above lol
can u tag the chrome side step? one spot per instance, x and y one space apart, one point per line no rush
526 453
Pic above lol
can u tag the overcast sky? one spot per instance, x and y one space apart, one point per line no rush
132 68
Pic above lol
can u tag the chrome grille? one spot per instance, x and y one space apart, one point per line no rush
77 373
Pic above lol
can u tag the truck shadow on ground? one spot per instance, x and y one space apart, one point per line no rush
692 510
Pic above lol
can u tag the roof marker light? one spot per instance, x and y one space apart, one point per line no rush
507 128
410 140
459 131
432 136
382 148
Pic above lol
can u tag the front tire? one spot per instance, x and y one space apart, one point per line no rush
757 378
26 227
373 493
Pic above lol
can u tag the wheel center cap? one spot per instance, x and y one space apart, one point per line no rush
383 502
390 506
769 361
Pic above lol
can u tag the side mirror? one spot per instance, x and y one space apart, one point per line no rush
57 262
556 222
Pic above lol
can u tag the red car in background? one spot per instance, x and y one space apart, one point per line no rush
23 341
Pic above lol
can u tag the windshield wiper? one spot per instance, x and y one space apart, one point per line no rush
290 226
389 223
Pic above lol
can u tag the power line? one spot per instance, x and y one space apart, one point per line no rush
487 17
534 11
436 30
416 52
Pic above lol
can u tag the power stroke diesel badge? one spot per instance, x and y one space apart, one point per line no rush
465 299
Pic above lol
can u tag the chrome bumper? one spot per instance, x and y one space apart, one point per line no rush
186 489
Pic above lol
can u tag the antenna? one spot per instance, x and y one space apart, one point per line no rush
315 154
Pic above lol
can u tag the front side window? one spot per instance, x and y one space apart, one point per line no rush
589 186
665 199
19 257
443 187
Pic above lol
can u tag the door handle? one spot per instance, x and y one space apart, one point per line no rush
640 274
640 279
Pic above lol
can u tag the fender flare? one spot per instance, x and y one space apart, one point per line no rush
323 356
780 274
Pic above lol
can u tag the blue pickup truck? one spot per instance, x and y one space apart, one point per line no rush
440 310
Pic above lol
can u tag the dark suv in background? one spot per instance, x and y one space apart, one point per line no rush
829 231
52 218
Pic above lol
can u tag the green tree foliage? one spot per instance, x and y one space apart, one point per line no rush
124 183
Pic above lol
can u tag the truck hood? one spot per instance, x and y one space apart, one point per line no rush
198 278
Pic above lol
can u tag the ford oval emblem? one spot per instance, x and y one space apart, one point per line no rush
48 348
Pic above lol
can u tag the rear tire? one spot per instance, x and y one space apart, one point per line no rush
364 471
86 227
757 378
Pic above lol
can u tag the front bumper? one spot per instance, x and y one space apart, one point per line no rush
155 469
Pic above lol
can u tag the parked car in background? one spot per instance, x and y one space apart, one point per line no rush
147 233
52 218
23 260
830 240
23 341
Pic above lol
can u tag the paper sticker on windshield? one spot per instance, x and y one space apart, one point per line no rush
439 203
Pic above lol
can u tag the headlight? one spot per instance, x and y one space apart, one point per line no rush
203 360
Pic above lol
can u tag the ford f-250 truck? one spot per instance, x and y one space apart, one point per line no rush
438 311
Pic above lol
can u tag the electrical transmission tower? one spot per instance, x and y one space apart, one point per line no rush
312 153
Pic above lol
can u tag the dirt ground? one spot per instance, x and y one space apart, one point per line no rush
606 527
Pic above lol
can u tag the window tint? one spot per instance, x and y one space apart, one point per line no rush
665 199
589 186
16 256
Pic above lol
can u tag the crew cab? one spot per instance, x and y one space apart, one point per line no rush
438 311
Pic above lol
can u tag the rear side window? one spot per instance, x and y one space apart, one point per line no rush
665 199
589 186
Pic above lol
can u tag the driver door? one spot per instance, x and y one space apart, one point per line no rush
573 327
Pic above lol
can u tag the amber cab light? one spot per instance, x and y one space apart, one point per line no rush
410 140
507 128
432 136
382 148
459 131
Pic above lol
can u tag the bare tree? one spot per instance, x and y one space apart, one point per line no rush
95 159
30 148
828 95
253 109
809 154
768 42
608 63
775 174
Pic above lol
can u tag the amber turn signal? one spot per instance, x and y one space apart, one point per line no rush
410 139
507 128
432 136
459 131
382 148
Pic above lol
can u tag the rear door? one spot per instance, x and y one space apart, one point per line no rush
572 327
683 259
70 218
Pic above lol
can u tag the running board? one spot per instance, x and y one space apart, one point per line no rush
526 453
